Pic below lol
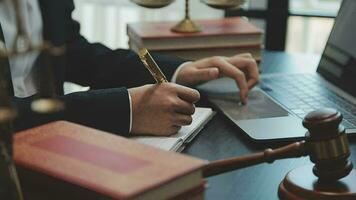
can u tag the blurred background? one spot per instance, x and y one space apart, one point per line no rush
298 26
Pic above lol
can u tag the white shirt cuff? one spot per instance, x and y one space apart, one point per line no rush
174 77
130 128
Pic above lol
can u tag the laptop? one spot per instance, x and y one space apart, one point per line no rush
279 103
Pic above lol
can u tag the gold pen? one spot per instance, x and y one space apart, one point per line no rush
152 66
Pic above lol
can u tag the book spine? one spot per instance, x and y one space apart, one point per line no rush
48 187
201 53
195 193
197 43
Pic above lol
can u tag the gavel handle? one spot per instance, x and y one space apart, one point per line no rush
294 150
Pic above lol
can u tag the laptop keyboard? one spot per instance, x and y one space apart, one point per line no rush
303 93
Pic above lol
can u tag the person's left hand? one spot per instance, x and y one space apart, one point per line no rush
242 68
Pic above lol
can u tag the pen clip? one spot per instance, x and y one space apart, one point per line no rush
158 80
152 66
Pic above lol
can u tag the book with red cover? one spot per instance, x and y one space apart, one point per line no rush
200 53
234 31
63 160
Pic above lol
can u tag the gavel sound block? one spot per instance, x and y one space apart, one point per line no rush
331 178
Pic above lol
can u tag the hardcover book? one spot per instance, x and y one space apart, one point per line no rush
63 160
227 32
199 53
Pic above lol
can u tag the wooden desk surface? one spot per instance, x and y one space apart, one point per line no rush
220 139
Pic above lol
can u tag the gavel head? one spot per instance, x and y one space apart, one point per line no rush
327 144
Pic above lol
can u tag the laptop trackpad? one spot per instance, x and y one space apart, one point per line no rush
259 106
262 119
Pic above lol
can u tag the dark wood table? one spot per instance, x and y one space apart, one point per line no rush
221 139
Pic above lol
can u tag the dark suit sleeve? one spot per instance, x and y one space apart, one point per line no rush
104 109
108 73
99 67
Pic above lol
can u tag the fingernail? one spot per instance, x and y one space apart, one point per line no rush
214 73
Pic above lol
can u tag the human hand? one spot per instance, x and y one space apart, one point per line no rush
162 109
242 68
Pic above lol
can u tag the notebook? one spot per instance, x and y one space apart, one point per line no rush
186 134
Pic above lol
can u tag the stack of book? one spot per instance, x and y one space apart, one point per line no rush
221 37
62 160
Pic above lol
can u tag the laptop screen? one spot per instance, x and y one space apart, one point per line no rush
338 62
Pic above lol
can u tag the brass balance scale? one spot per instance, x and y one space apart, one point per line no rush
187 25
45 103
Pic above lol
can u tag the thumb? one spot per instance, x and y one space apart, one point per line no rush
206 74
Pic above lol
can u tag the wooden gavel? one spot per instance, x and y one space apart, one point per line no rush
326 144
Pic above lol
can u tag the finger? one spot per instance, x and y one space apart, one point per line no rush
184 107
227 69
174 129
171 131
204 63
250 66
187 94
183 120
206 74
252 83
232 71
245 55
241 82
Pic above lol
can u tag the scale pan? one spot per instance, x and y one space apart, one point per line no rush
224 4
153 3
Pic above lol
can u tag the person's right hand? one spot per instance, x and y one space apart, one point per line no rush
162 109
241 67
